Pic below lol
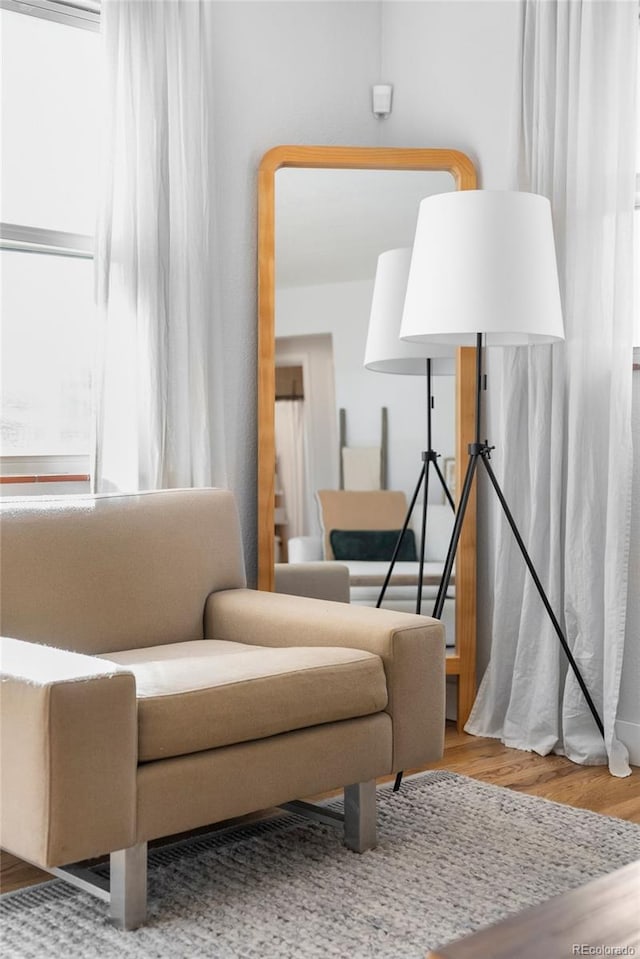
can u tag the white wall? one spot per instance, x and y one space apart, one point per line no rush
453 67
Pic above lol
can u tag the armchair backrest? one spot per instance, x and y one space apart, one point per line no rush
96 574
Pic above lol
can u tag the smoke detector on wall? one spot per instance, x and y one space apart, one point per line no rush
381 99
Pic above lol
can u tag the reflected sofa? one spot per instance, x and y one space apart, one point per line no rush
147 692
348 517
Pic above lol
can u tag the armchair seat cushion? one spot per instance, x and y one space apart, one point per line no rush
204 694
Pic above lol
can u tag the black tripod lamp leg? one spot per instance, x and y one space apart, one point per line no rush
543 595
455 536
396 548
423 532
447 491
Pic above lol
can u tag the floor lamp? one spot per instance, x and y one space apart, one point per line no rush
483 272
386 353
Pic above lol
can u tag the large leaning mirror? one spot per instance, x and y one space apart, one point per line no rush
325 215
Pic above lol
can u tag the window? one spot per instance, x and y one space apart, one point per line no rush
50 89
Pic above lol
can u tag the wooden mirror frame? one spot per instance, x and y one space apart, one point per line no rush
462 662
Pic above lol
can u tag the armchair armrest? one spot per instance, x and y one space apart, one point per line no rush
411 647
69 754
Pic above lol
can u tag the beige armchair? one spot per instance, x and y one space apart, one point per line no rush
146 691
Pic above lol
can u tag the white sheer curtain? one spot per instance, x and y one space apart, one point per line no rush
154 253
565 431
289 429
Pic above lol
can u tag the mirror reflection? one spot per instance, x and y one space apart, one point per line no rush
339 425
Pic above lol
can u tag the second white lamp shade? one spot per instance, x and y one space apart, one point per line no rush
483 261
385 352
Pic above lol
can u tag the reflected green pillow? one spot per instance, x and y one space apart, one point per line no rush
375 545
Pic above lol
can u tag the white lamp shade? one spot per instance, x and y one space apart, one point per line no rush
385 351
483 261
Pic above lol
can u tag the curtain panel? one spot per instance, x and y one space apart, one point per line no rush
564 427
290 457
155 285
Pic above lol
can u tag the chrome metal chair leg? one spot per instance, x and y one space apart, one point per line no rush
128 899
360 816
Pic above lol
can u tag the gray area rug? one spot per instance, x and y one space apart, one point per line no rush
454 855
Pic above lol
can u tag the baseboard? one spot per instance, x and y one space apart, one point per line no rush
629 734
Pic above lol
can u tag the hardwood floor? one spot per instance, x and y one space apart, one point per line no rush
552 777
